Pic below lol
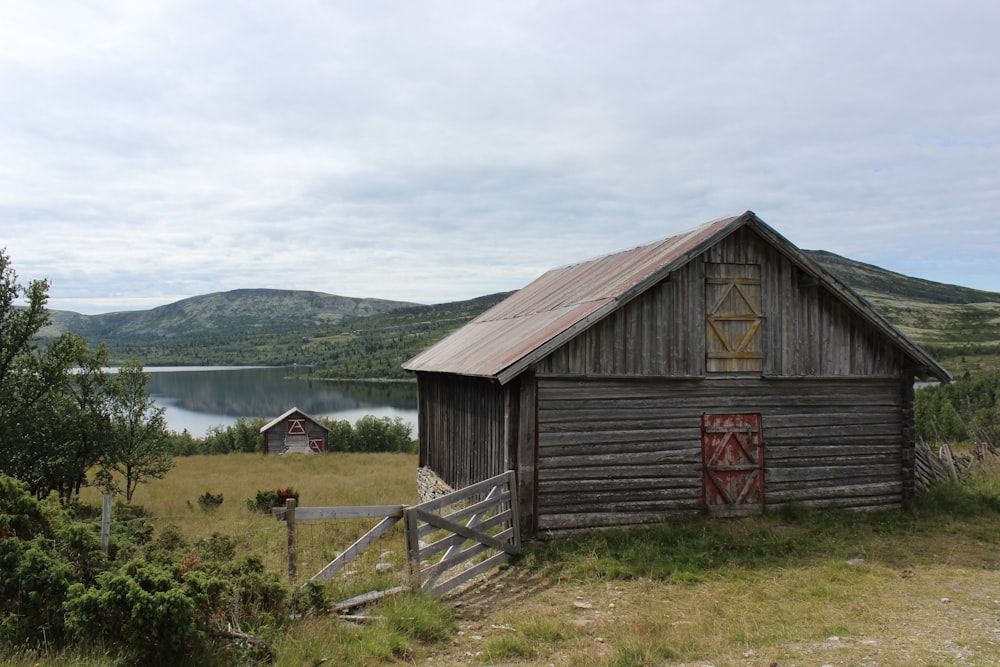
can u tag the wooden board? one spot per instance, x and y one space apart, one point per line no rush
732 464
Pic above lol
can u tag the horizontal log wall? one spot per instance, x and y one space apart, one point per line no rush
462 427
616 451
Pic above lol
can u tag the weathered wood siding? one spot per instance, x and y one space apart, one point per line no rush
276 438
605 430
274 441
661 333
463 424
806 330
617 451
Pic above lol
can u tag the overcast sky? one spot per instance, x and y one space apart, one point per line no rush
434 151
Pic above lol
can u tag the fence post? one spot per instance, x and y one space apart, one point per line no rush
412 532
106 523
292 540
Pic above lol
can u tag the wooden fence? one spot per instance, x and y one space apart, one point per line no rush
450 539
454 538
946 466
291 515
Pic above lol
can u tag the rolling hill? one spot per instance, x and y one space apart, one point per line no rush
223 311
345 337
959 326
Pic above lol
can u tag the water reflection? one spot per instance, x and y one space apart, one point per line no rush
199 398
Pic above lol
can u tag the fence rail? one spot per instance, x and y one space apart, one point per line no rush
450 539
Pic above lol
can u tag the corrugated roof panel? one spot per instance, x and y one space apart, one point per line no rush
520 330
553 304
606 277
485 347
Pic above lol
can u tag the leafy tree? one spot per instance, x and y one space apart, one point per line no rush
140 441
75 431
341 435
51 420
242 437
24 376
382 434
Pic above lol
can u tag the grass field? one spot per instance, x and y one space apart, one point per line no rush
321 481
964 338
798 588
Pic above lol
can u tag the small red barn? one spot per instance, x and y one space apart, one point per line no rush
295 431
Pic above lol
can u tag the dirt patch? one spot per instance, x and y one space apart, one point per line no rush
864 613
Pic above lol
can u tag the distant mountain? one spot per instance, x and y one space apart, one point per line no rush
242 309
959 326
870 279
343 337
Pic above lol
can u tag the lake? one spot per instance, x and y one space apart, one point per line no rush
200 397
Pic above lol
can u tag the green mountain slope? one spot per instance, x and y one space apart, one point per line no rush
870 279
959 326
345 337
333 336
236 310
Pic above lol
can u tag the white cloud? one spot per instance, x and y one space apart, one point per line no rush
435 151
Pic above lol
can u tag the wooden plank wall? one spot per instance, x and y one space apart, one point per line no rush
807 331
462 425
617 451
660 333
274 438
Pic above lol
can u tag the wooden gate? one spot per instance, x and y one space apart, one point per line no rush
732 464
463 534
449 540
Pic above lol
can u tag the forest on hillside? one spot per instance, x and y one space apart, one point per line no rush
358 348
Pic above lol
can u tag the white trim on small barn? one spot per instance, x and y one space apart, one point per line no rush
295 432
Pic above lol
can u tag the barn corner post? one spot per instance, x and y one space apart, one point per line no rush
909 438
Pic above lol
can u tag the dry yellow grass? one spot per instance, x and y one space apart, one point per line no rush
930 596
322 481
940 609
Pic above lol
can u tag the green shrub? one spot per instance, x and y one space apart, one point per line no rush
42 553
169 603
209 501
243 436
178 611
382 434
341 435
959 411
142 614
266 500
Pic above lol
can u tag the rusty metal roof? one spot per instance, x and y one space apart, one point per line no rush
506 339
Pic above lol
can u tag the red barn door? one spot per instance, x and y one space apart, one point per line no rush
732 464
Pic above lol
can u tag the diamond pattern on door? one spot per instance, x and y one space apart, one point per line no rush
733 318
732 464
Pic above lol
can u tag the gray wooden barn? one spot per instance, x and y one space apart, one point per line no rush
295 432
719 371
